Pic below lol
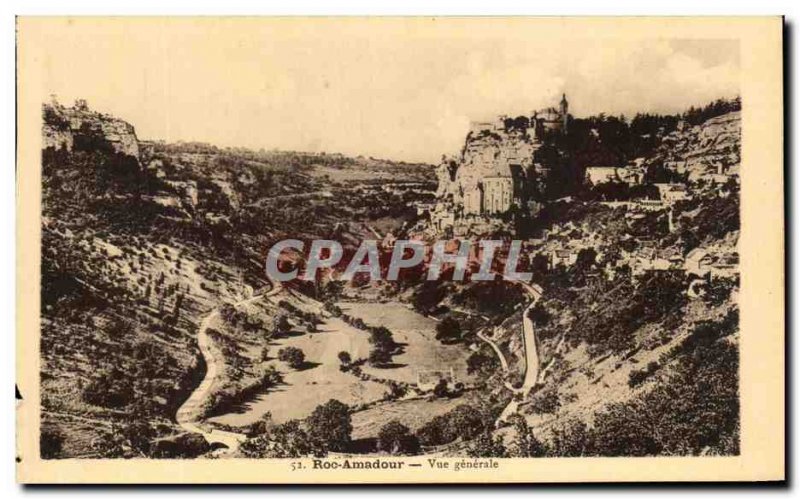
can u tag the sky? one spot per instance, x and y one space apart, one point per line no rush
399 90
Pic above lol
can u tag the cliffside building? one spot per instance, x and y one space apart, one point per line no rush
497 167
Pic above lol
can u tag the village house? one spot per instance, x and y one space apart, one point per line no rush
566 257
702 263
650 204
602 174
649 259
670 193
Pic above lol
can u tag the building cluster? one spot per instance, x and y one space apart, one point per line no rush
494 173
563 243
498 164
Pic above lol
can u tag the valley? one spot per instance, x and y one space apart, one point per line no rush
162 336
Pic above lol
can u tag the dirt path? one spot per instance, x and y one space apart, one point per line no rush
491 343
188 415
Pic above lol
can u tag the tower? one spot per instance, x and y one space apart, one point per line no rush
563 107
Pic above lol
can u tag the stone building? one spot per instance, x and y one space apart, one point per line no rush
496 171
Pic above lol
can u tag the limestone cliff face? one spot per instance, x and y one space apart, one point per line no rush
711 148
56 138
70 128
488 157
120 134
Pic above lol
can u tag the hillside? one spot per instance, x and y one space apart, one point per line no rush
141 240
623 339
150 250
639 310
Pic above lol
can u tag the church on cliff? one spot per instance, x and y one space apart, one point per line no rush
497 166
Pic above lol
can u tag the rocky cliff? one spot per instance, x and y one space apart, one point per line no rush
79 127
702 151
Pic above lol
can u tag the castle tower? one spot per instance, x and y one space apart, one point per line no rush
563 108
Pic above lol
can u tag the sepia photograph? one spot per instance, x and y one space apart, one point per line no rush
406 246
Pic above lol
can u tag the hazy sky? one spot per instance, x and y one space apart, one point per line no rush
400 91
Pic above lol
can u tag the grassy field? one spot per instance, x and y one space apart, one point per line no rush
315 383
417 334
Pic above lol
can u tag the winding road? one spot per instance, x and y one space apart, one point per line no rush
531 346
189 414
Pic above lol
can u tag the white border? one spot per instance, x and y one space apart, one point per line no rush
297 7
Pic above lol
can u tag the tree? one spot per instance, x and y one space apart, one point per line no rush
292 356
539 315
264 353
395 438
448 330
178 302
379 356
586 259
330 425
261 426
440 390
111 389
545 400
485 445
525 443
465 422
344 358
51 442
381 337
287 440
482 363
280 324
229 314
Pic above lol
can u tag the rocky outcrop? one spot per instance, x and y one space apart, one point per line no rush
488 157
79 127
710 149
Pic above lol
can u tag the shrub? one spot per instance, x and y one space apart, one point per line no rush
395 438
330 425
292 356
51 442
545 401
448 330
637 376
465 422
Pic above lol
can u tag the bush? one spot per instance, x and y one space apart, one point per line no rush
440 390
330 425
395 438
465 422
545 401
111 389
482 362
51 442
287 440
448 330
292 356
637 376
379 357
187 445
